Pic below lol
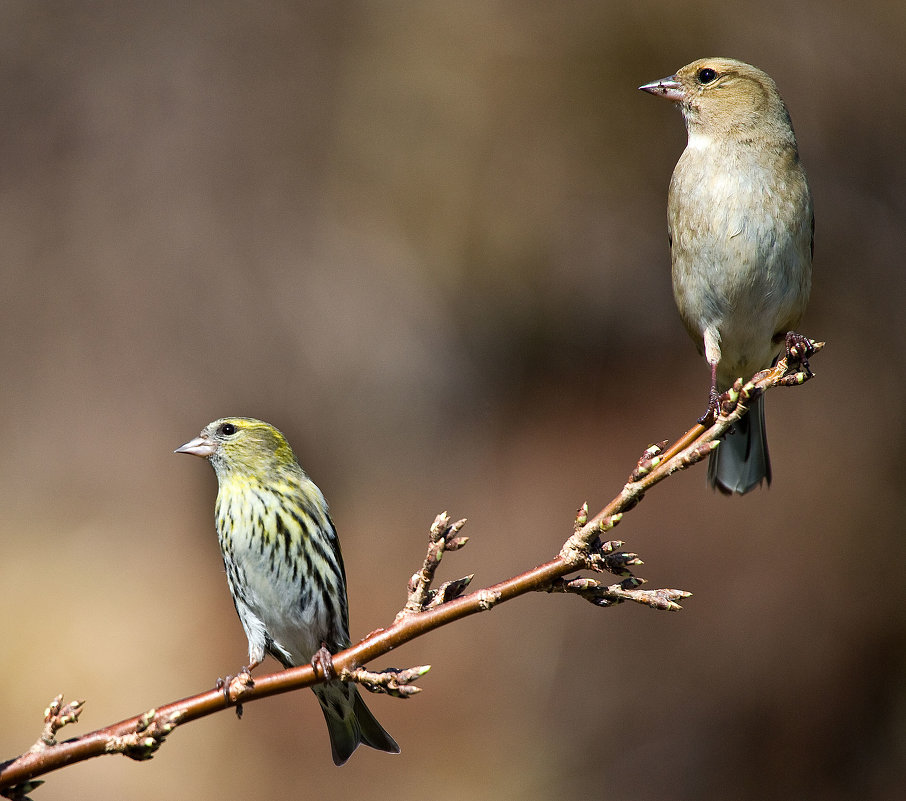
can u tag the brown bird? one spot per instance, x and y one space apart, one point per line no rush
740 226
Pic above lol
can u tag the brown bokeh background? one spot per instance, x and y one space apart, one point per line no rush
427 240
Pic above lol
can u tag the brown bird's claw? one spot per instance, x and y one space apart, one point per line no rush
322 663
798 349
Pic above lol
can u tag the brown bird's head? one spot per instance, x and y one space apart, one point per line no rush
722 97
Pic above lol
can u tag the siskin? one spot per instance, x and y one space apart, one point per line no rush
283 566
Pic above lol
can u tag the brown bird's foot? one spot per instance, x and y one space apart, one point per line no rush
708 418
799 349
322 663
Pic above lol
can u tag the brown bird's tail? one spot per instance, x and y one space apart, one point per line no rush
350 722
741 462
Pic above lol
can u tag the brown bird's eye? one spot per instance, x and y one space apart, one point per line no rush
227 429
706 75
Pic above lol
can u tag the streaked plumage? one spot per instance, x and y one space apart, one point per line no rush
283 565
740 224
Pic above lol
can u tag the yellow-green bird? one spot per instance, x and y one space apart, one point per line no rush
283 565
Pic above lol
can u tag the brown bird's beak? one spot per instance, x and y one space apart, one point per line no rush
668 88
200 446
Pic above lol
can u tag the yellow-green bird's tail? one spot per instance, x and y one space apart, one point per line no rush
350 722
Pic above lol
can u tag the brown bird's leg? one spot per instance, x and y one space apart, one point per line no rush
711 338
708 418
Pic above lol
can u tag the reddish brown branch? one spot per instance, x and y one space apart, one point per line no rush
426 609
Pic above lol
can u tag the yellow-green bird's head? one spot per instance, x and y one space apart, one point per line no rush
244 447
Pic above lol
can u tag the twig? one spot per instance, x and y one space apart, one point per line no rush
426 608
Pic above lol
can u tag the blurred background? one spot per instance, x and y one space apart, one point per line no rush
427 241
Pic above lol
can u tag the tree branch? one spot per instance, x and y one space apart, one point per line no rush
426 609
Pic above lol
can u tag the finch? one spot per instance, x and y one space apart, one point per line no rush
741 227
283 566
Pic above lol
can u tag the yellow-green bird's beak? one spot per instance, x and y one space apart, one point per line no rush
200 446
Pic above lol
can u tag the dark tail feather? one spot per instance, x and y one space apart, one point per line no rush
741 461
350 722
373 734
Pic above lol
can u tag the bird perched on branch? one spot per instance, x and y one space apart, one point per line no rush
283 566
740 225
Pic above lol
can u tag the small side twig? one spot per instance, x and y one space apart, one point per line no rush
392 681
602 595
149 735
443 536
56 716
